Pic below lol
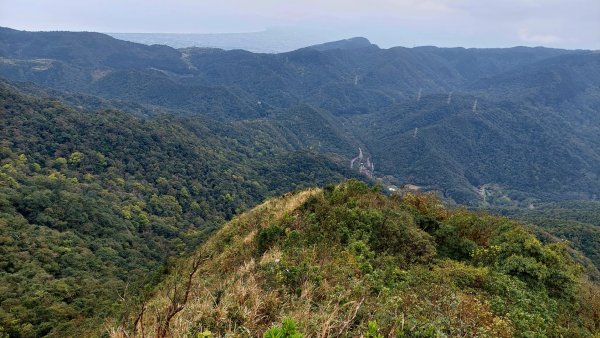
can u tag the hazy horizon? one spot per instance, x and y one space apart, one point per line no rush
464 23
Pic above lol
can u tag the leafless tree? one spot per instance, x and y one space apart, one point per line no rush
178 297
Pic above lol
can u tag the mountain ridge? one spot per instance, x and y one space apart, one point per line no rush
350 43
346 260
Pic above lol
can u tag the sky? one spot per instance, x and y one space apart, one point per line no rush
569 24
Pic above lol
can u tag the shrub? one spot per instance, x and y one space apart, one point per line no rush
266 238
286 330
372 331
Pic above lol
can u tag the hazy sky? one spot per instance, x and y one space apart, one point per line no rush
469 23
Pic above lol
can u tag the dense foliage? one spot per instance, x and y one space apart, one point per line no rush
576 221
92 204
348 260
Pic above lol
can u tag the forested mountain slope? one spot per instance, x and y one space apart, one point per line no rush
94 202
533 152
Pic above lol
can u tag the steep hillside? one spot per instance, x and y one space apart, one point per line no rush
461 146
349 261
94 203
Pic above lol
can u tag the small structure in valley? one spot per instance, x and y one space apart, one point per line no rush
365 167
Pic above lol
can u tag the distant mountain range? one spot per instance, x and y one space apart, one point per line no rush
521 121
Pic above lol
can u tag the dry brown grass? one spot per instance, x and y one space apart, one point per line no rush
226 289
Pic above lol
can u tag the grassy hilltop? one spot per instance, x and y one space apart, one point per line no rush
350 261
